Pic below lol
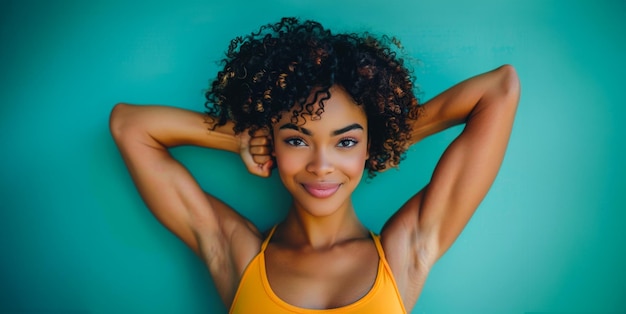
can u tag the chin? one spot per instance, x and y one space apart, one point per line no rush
323 207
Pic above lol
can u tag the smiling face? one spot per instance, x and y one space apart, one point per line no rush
321 161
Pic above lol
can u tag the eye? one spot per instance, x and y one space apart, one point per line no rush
347 142
295 141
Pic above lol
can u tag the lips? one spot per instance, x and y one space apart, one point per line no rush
321 190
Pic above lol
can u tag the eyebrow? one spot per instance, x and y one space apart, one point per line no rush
353 126
295 127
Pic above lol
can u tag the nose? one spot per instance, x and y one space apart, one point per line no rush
321 163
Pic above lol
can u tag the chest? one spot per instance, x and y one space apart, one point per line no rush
322 279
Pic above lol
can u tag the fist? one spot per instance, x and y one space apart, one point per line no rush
256 152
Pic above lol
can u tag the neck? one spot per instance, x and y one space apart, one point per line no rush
300 229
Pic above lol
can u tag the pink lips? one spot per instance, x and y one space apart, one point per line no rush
321 190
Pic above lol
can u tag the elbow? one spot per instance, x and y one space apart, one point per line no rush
509 82
118 121
504 88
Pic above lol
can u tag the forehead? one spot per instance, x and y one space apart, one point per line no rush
339 109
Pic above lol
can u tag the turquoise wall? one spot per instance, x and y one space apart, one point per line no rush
74 235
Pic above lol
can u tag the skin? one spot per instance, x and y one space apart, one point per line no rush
321 169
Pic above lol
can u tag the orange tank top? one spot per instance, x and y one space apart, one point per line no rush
254 294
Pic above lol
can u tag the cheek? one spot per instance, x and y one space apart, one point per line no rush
286 162
354 164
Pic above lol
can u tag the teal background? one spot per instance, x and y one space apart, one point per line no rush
75 236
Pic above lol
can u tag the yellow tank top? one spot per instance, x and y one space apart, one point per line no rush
254 294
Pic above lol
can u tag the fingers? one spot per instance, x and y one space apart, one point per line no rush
259 140
262 170
260 147
261 159
266 168
256 152
260 150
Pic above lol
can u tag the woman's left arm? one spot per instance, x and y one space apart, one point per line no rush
432 219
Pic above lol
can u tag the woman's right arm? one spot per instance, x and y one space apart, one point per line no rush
223 238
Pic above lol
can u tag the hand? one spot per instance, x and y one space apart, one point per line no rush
255 152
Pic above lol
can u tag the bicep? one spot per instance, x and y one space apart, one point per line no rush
143 135
467 168
168 190
470 164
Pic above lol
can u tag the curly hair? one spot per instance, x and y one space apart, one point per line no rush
272 71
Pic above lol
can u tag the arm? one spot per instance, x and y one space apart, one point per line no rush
427 225
224 239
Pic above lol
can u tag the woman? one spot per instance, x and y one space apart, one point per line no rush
321 108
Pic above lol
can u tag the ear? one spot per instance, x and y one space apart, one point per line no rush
369 144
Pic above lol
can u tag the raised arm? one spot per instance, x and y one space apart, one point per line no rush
427 225
224 239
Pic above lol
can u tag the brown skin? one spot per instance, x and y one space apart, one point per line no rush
414 238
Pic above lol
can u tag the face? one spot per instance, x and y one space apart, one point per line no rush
322 161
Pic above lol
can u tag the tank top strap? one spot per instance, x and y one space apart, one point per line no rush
379 246
267 239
